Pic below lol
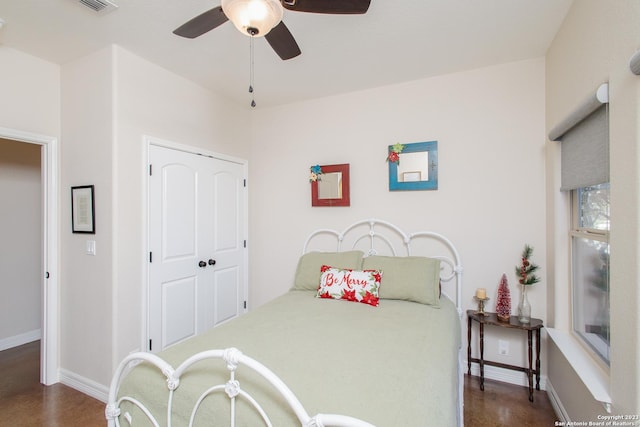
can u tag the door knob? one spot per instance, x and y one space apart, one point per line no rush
212 261
202 264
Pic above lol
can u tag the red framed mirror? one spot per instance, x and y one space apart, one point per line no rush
331 188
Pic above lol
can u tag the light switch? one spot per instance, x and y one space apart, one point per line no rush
91 247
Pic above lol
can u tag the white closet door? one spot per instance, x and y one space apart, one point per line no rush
196 239
228 227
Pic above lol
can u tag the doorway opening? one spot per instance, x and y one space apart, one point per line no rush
49 249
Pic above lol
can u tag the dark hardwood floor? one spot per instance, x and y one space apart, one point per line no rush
26 402
502 405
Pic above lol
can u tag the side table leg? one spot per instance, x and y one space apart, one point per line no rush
530 371
481 356
537 359
469 346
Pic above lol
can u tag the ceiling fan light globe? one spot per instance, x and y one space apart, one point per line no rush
253 17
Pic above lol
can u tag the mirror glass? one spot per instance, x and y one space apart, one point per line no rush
413 167
330 186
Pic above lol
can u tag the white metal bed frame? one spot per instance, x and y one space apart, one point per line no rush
232 358
375 230
452 270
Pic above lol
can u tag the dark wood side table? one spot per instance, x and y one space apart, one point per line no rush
513 323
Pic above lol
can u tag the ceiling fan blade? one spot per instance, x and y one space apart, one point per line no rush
282 41
202 23
348 7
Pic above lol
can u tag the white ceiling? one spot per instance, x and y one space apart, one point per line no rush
395 41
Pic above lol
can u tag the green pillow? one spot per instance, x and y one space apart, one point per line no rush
308 272
409 278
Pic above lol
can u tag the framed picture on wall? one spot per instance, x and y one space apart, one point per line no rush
83 210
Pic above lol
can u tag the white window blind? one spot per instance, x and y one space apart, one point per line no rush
584 137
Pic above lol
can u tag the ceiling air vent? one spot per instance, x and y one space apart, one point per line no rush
101 6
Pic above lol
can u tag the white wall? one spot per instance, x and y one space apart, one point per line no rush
593 46
489 124
30 89
21 247
152 101
87 159
112 99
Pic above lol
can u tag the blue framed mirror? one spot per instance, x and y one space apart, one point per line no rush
414 166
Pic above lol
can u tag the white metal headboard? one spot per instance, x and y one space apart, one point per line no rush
377 237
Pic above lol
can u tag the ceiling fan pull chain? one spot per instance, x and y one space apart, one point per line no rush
251 66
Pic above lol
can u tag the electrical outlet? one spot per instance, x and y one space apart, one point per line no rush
503 347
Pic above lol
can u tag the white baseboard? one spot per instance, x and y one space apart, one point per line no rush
20 339
506 375
84 385
556 403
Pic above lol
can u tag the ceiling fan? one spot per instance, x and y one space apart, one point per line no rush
259 18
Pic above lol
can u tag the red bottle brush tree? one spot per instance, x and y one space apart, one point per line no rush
503 303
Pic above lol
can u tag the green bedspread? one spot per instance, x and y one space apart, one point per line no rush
391 365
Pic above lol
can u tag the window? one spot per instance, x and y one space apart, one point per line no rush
590 266
584 142
583 335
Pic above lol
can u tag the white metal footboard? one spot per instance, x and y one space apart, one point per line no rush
233 358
